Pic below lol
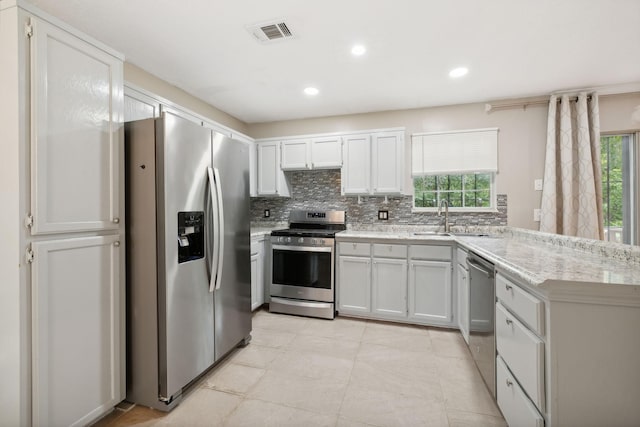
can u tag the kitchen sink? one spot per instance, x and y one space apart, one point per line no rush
431 233
472 234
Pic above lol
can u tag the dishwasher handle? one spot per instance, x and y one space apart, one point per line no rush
479 267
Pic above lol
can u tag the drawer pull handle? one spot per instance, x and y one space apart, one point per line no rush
509 321
354 246
509 383
508 287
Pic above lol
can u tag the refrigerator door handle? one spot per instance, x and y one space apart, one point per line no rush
215 256
220 210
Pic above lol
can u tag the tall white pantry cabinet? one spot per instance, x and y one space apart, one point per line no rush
61 222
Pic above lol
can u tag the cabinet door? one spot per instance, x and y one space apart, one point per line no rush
326 152
430 291
76 140
389 287
388 162
295 155
354 284
76 321
356 170
268 165
463 302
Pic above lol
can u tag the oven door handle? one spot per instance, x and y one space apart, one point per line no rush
302 248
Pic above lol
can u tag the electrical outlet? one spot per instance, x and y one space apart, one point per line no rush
383 215
267 213
536 215
537 184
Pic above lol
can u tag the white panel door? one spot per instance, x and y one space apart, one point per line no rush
76 144
268 165
76 315
430 291
326 152
388 162
354 284
356 170
295 155
389 287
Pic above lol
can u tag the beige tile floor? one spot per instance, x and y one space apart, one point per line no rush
346 372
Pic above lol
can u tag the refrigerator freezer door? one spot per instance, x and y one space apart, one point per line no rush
185 306
233 296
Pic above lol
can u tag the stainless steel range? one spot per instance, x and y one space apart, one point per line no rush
303 273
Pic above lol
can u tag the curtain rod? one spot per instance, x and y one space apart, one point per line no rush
490 107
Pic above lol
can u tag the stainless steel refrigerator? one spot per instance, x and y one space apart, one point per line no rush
188 257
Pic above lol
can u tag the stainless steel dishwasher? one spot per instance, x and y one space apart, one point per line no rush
482 301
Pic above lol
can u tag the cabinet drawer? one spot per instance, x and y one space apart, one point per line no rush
514 404
524 305
353 248
390 251
430 252
461 257
523 352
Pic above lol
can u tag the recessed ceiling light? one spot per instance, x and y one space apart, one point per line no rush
312 91
458 72
358 50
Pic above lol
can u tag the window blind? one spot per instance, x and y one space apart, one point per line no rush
464 151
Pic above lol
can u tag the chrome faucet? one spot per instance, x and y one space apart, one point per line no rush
447 227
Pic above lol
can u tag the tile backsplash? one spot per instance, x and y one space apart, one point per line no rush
321 190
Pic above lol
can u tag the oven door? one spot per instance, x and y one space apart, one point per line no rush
303 272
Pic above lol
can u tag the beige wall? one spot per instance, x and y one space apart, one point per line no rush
147 81
522 138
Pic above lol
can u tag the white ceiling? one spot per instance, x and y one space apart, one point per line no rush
513 48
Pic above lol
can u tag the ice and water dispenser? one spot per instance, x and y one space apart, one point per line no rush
190 236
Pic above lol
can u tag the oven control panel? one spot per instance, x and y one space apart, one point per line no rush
301 241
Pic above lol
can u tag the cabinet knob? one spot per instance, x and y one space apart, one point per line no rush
509 383
508 287
509 321
354 246
116 220
116 244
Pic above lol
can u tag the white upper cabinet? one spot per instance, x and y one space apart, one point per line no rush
326 152
138 106
253 170
373 164
387 162
356 170
296 154
76 145
271 179
313 153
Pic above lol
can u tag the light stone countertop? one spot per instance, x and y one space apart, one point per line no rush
538 259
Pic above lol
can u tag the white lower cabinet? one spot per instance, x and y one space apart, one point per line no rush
517 409
391 281
520 365
257 273
389 287
354 290
77 319
430 291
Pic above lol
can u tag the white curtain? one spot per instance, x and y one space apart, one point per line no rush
572 189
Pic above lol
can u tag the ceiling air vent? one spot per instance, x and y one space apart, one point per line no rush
267 32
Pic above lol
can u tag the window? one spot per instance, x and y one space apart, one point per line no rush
472 190
617 155
457 166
